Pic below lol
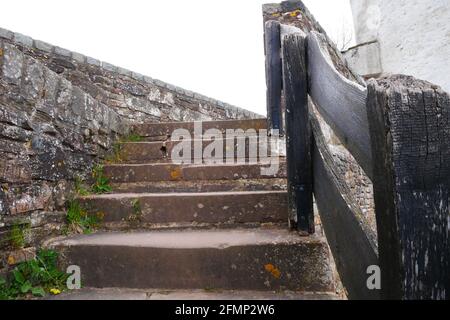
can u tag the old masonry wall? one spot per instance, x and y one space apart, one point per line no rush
60 113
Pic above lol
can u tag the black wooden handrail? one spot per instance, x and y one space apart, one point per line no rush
397 130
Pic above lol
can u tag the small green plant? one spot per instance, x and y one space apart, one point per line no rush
80 187
137 211
117 156
79 220
132 138
101 182
35 277
16 237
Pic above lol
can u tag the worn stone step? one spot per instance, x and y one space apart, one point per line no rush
254 259
161 151
165 129
174 172
208 207
203 186
192 294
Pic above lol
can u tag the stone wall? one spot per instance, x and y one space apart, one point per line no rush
60 113
50 132
413 36
134 96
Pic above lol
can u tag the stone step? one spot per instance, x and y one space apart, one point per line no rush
193 294
204 186
129 173
161 151
208 207
165 129
254 259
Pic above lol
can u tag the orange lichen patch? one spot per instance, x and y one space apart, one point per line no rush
295 13
11 260
275 272
1 52
100 215
175 174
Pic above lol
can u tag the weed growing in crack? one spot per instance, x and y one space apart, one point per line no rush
137 211
79 220
101 182
117 155
80 187
16 238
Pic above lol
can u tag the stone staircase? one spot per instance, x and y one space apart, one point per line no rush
195 230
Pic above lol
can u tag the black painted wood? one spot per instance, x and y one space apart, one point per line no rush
351 240
341 102
298 133
409 122
273 74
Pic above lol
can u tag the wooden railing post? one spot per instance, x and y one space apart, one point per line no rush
410 136
273 75
298 133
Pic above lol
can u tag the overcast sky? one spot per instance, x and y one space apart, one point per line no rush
214 47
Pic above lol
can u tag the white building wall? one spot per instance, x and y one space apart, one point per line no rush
413 35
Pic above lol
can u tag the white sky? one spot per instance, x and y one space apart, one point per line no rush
214 47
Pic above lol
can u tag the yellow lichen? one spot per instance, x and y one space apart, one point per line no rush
276 15
100 215
275 272
295 13
11 260
175 174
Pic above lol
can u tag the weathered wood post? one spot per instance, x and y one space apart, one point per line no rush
272 45
410 135
298 133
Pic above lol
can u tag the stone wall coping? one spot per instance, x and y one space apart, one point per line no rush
28 42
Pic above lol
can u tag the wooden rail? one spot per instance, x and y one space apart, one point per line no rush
342 103
272 47
398 131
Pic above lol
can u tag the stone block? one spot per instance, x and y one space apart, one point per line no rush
63 52
33 82
12 64
124 71
160 83
43 46
109 67
365 59
78 57
93 61
23 40
149 80
6 34
137 76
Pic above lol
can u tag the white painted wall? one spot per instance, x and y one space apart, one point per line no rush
414 36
